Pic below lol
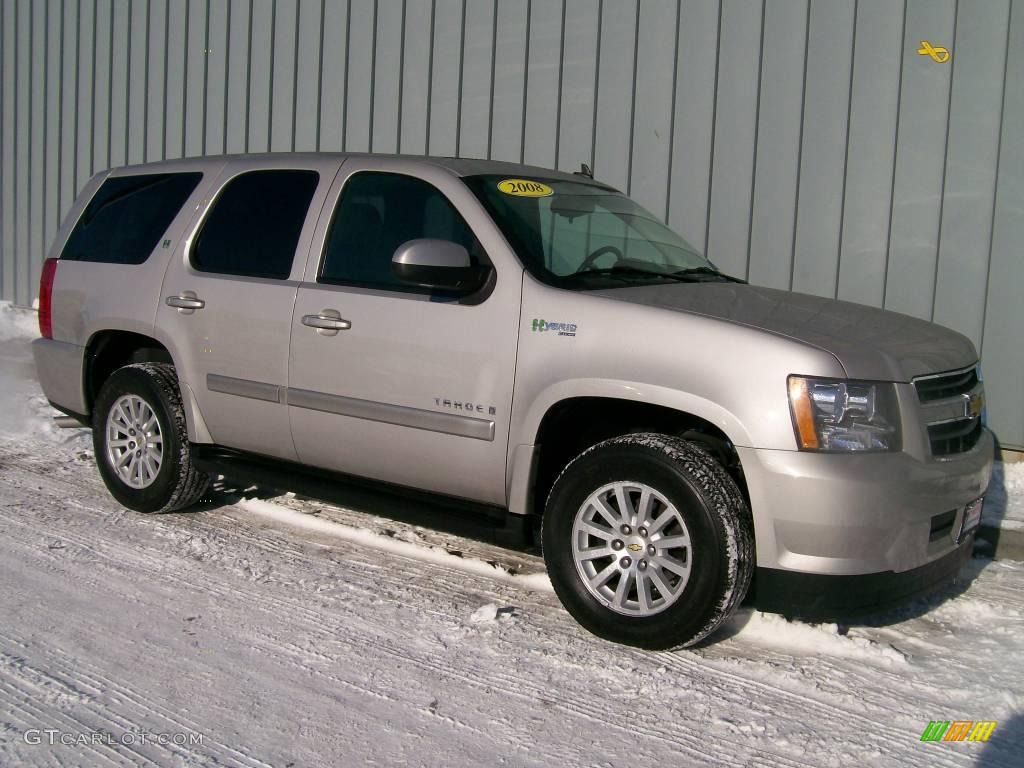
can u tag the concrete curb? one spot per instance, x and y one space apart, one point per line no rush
1000 543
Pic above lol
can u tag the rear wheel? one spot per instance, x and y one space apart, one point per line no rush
648 541
141 441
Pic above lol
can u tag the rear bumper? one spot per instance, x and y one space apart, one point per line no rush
815 596
59 368
855 514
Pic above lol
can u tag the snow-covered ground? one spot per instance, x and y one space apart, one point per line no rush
290 632
1004 504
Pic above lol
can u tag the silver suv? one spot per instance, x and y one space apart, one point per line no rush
533 343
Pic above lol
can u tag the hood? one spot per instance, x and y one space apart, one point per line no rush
870 343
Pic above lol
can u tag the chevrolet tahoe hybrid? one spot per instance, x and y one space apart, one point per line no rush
522 340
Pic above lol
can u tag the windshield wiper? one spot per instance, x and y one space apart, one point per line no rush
691 275
696 271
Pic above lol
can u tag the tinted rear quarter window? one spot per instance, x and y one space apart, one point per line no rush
255 224
128 216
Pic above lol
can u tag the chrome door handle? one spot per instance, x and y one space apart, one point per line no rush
326 322
185 302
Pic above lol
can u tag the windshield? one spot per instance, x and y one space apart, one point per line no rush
582 235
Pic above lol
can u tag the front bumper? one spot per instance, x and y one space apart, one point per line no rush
821 597
856 514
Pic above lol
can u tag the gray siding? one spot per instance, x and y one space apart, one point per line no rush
805 146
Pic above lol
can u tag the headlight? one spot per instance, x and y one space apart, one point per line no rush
831 415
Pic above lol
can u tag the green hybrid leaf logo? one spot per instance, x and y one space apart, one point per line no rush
561 329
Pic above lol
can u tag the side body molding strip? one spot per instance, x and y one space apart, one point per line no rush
446 423
255 390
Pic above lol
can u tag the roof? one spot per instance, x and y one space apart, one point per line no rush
457 165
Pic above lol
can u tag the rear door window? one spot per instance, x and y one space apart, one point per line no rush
255 224
128 216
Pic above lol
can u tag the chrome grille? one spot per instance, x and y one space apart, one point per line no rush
950 403
932 388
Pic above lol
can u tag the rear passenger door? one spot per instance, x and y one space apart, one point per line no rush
227 299
413 386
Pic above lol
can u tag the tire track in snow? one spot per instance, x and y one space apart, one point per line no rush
740 683
510 686
683 663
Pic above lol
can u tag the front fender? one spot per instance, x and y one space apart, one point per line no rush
632 391
522 462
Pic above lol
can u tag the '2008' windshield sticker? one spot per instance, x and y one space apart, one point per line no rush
524 188
562 329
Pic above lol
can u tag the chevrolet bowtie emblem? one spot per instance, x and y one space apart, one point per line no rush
940 55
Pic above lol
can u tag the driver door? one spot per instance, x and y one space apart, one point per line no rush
399 383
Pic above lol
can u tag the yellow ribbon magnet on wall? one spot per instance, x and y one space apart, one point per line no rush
524 188
936 52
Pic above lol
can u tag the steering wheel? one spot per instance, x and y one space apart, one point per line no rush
593 257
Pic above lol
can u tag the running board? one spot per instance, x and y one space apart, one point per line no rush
68 422
459 517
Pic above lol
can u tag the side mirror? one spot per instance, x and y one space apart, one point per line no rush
436 264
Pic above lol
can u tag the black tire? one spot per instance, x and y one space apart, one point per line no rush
714 511
177 483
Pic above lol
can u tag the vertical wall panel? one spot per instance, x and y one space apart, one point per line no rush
579 64
387 77
238 74
216 96
85 93
22 145
156 80
874 107
335 73
138 56
36 155
652 118
307 75
261 54
542 83
971 150
7 154
102 88
54 51
920 160
509 80
735 123
176 57
615 92
802 144
196 62
477 71
359 106
693 124
445 69
831 44
414 115
282 86
774 199
119 67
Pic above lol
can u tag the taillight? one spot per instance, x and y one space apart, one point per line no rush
45 298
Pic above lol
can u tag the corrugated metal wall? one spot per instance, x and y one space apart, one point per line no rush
805 145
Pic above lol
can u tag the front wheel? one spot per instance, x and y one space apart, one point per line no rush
141 441
648 541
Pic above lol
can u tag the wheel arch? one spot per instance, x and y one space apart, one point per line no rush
573 416
111 348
